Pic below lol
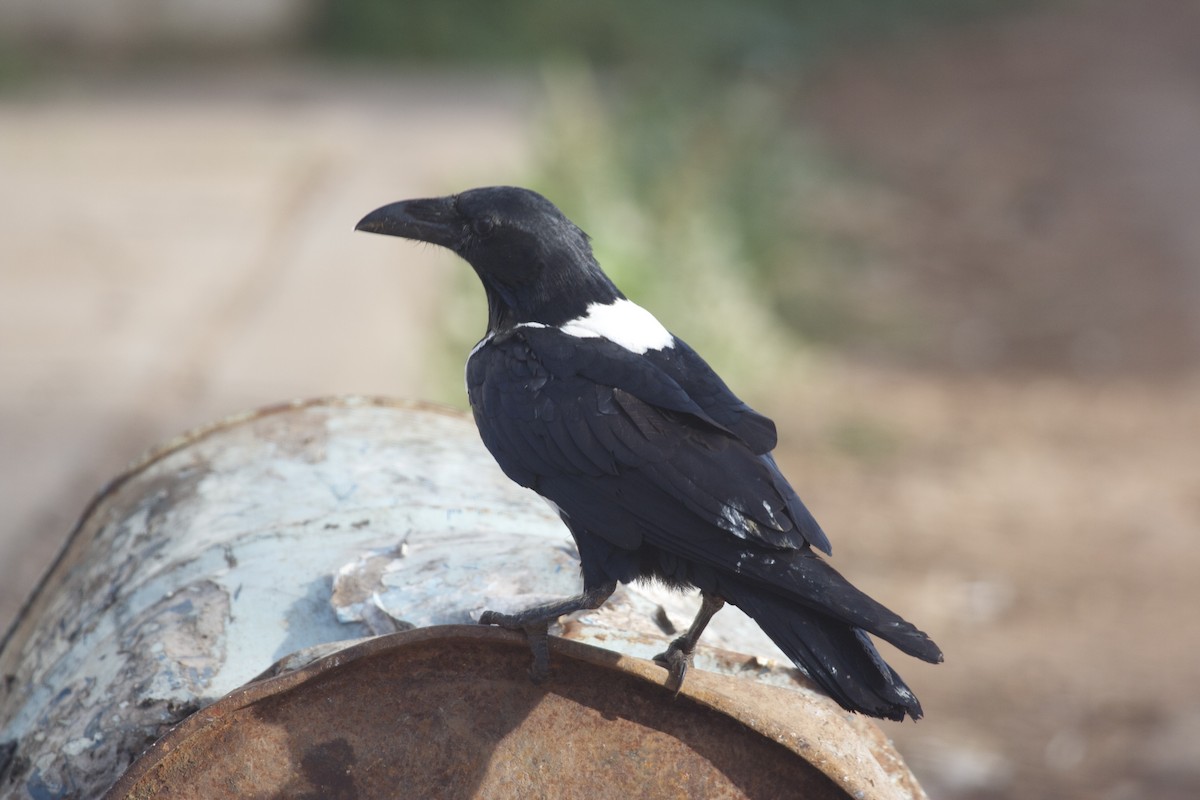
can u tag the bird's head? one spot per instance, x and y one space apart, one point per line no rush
536 265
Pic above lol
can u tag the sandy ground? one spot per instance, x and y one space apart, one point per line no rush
177 248
1023 483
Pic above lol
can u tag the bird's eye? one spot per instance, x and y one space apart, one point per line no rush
483 226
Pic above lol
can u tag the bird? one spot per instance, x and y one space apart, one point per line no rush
658 470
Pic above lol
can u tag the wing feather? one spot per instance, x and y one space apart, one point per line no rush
669 467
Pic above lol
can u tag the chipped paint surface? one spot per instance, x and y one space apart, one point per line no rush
440 580
214 558
288 534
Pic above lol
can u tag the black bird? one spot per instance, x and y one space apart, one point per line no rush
656 467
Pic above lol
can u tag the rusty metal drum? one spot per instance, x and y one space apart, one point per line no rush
282 605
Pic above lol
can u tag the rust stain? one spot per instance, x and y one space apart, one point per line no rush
449 712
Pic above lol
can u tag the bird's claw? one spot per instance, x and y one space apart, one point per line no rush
496 618
536 633
676 661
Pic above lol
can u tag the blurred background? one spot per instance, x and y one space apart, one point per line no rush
951 247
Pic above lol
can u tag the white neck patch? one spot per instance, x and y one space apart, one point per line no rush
622 322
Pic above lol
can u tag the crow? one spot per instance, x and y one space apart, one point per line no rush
657 469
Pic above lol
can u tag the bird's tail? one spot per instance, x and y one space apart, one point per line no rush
820 621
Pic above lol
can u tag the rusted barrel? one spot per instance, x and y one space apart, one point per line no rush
282 538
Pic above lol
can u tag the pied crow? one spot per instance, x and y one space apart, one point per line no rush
655 466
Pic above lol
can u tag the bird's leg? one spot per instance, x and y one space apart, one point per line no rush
678 657
535 622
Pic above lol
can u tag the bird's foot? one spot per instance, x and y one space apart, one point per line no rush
535 623
676 661
536 633
678 658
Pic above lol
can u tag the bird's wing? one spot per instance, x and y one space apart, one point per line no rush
554 409
705 387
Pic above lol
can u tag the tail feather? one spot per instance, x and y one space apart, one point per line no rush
806 579
836 655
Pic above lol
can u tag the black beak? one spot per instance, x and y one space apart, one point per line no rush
435 221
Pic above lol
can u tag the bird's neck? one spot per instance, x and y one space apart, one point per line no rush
552 303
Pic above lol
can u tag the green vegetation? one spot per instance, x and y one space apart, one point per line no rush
693 38
693 196
16 66
671 133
